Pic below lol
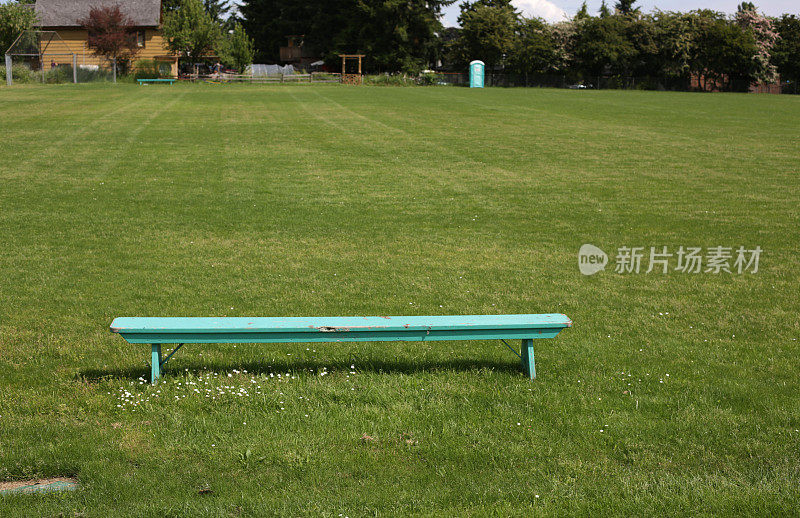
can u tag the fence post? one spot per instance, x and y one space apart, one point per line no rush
75 68
8 70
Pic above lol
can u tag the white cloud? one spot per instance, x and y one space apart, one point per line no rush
540 9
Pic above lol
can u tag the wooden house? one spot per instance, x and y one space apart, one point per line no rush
63 17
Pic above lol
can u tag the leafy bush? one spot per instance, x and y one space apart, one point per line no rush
150 69
19 73
63 74
426 79
87 75
22 74
388 80
59 74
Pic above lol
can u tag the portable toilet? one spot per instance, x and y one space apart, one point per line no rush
476 74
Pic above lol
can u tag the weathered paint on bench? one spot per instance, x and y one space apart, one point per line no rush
179 330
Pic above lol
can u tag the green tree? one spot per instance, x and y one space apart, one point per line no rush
675 36
445 41
263 20
169 5
640 32
488 32
15 17
395 35
237 49
724 52
223 12
190 31
535 48
218 9
786 53
625 7
563 35
763 30
583 12
604 11
600 46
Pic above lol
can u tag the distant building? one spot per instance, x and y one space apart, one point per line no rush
296 52
62 17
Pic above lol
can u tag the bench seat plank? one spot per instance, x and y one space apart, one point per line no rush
336 329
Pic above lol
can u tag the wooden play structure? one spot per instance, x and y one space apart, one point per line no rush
351 79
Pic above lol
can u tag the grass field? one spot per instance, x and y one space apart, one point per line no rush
672 394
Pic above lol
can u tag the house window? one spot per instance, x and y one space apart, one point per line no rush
140 39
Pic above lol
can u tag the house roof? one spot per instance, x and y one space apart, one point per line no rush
66 13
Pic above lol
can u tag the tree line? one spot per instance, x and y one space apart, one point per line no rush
728 51
406 36
396 35
618 40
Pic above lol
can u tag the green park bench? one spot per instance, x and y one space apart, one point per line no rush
200 330
145 81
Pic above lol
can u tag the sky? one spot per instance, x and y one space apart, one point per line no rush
556 10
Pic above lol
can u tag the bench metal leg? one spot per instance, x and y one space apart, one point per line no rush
155 363
528 363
